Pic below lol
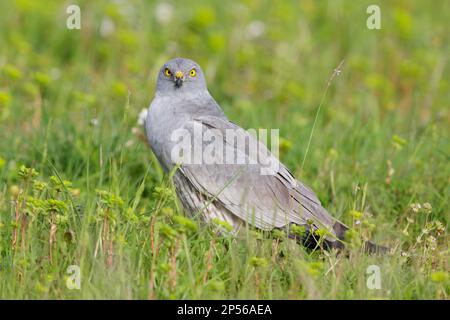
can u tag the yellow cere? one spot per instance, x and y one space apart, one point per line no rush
179 74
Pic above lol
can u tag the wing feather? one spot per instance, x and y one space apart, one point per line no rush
265 201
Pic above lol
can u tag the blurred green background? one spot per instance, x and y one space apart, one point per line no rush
70 102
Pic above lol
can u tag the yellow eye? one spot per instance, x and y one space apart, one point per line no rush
167 72
193 73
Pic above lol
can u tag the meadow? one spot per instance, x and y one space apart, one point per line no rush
80 187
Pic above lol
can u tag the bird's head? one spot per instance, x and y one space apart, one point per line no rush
180 75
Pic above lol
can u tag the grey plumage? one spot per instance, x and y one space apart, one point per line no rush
235 193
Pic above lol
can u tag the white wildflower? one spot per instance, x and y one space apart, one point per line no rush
431 242
427 207
163 12
256 29
415 207
142 116
107 27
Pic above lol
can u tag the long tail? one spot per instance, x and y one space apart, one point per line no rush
310 241
369 246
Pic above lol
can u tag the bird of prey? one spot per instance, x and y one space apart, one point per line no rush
239 189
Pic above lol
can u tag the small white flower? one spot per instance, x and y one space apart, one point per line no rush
142 116
163 12
107 27
256 29
415 207
94 122
431 242
427 207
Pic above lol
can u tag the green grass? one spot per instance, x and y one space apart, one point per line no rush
69 102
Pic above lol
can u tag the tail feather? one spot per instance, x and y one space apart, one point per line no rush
369 246
373 248
311 241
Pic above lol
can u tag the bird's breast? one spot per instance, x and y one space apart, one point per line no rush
162 121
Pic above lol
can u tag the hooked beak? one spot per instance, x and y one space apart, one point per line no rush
178 79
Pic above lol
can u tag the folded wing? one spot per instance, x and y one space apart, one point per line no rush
266 201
